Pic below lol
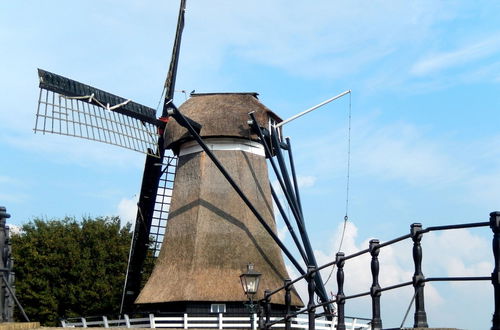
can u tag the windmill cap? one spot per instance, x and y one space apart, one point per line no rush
221 115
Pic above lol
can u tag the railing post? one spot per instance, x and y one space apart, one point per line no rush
127 320
375 288
311 287
105 321
185 321
152 323
288 303
339 260
420 318
220 319
84 322
267 309
260 315
495 276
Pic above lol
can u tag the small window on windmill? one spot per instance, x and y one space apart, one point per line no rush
217 308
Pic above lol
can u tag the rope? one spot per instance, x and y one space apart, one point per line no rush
91 98
161 99
346 217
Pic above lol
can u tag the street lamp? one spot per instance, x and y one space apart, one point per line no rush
250 282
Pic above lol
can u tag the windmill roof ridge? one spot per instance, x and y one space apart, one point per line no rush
254 94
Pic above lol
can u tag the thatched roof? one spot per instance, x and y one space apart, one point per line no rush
211 234
221 114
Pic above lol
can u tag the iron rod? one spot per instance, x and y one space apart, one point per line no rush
284 172
420 316
288 225
15 298
459 226
311 109
495 275
375 288
294 175
311 287
269 153
320 288
340 291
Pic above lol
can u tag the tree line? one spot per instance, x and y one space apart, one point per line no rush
69 268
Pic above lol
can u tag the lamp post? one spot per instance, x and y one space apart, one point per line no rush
250 282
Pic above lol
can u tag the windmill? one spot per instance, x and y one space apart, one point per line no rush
211 136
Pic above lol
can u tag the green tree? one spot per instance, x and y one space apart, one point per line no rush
66 268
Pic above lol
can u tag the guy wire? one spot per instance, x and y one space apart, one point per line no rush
346 217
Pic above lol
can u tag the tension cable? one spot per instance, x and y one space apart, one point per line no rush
346 217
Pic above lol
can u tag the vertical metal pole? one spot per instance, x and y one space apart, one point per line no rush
261 314
3 304
420 318
288 303
375 288
252 316
9 264
495 276
339 259
294 175
267 309
300 223
311 287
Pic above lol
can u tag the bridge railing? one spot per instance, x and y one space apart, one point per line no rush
375 290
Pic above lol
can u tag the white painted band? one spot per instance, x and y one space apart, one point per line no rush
223 144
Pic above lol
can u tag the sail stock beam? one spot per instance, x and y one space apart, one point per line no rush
72 89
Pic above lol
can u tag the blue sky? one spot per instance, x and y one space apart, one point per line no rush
425 79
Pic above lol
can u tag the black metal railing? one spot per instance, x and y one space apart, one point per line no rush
375 291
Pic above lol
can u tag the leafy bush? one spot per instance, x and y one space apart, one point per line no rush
66 268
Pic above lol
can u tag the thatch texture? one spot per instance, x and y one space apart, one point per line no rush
211 234
221 115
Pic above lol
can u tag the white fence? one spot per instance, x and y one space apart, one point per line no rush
209 322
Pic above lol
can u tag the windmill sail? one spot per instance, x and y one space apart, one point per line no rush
151 181
68 107
162 205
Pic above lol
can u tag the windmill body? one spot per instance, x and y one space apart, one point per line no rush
221 213
211 235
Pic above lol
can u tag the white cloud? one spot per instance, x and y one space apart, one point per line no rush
282 232
127 209
402 151
14 229
319 41
306 181
14 197
434 63
5 179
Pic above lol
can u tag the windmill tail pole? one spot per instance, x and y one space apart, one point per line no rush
312 109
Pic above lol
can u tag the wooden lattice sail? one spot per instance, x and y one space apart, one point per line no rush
211 234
